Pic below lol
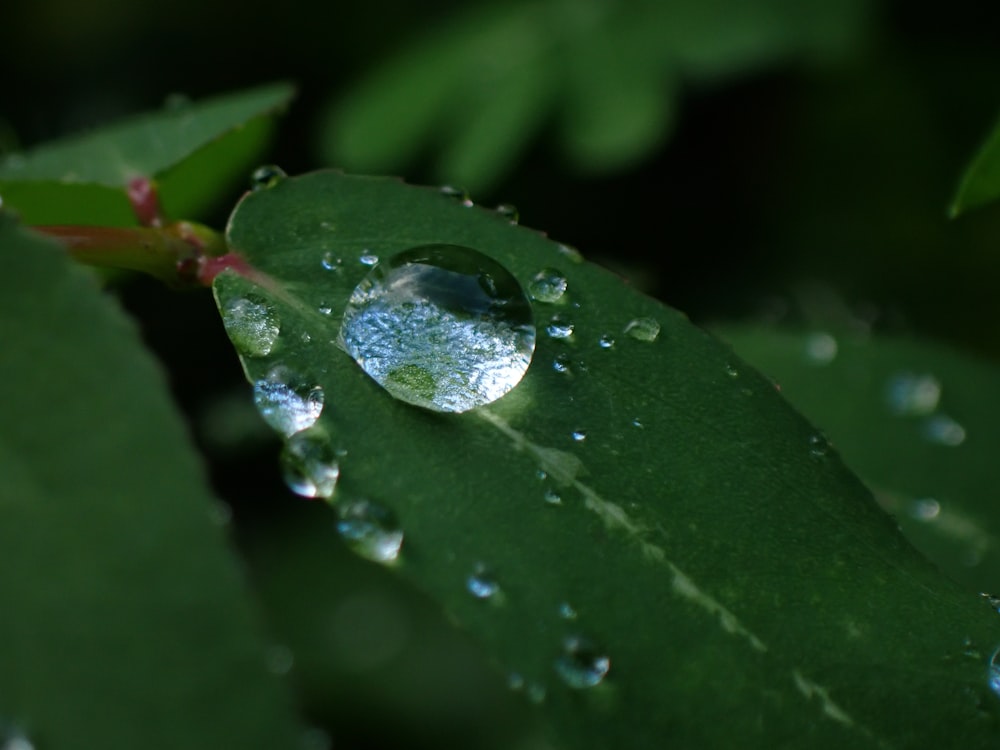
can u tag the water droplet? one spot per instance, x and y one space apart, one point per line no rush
515 681
508 211
280 660
993 674
731 370
481 583
252 324
552 497
821 348
643 329
368 259
819 445
559 328
944 430
571 253
309 464
370 529
638 423
992 600
288 402
441 326
581 664
579 435
908 394
561 364
324 309
566 611
925 509
548 285
331 262
606 342
457 194
266 176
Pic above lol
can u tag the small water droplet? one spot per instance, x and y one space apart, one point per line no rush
579 435
552 497
324 308
252 324
481 583
288 402
970 650
821 348
331 262
457 194
559 328
643 329
638 423
570 252
370 529
561 364
819 445
542 474
548 285
515 681
309 464
582 665
606 342
566 611
992 600
266 176
908 394
442 326
731 370
925 509
944 430
368 259
508 211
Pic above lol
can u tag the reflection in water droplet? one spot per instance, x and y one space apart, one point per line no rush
252 324
548 285
481 583
552 497
370 529
908 394
566 611
819 446
266 176
561 364
821 348
579 435
944 430
368 259
331 262
309 464
925 509
559 328
581 664
442 326
288 402
638 423
508 211
606 342
324 309
643 329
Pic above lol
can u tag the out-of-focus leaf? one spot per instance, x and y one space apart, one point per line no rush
917 421
194 147
981 181
642 534
125 622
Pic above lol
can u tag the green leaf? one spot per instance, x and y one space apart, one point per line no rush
914 419
701 535
981 182
196 148
126 622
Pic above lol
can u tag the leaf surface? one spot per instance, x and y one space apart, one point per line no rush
126 623
981 182
695 530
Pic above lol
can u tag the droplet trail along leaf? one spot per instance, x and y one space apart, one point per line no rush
730 578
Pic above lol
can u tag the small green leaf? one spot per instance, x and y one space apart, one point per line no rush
644 538
981 182
195 148
917 421
126 623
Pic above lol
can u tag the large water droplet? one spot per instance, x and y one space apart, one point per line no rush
581 664
482 584
370 529
912 395
266 176
288 402
548 285
441 326
643 329
309 464
252 324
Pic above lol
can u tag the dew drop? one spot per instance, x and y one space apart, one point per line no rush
266 176
456 194
643 329
368 259
252 324
536 693
731 370
548 285
309 464
581 664
571 253
559 328
992 600
561 364
637 423
288 402
925 509
508 211
944 430
606 342
819 446
566 611
481 583
370 529
324 308
908 394
821 348
331 262
515 681
578 435
552 497
440 326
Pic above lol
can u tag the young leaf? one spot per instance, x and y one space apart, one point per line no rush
641 530
194 147
126 623
917 421
981 181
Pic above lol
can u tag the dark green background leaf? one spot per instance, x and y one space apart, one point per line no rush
125 622
746 587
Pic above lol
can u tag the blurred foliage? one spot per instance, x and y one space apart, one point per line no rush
981 182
